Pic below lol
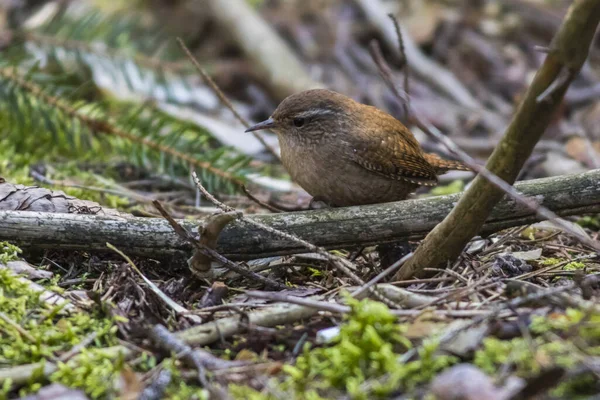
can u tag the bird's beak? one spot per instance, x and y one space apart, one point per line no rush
266 124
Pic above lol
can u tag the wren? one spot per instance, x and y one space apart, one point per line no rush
345 153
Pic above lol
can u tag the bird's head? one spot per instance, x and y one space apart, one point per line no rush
309 115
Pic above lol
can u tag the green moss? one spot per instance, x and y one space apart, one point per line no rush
33 331
591 222
526 357
255 3
15 168
581 387
575 322
315 273
95 371
49 330
246 392
8 252
362 361
559 340
574 266
550 261
72 171
68 172
453 187
178 389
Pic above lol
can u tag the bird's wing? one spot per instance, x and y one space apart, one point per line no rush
391 150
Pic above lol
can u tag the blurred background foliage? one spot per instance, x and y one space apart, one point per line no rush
104 85
85 83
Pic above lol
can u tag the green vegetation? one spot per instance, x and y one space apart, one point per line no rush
451 188
8 252
34 331
95 371
363 360
54 111
591 222
560 340
179 389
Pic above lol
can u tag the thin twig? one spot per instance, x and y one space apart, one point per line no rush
405 67
179 310
389 270
208 80
88 340
187 236
8 320
319 305
173 344
342 309
340 263
198 359
435 133
259 202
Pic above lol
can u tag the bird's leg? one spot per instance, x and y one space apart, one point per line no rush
319 203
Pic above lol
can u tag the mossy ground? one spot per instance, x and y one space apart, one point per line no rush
363 361
34 332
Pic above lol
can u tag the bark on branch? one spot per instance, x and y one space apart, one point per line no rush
331 228
568 51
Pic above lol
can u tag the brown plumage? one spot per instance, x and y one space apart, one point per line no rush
346 153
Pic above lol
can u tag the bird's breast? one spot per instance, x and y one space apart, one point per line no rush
325 173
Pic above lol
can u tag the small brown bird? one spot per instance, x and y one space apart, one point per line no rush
345 153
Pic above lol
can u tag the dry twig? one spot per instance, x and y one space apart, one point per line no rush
340 263
212 84
187 236
179 310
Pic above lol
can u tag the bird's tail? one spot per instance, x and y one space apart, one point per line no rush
441 166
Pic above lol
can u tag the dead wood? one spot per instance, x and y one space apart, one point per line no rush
34 198
331 228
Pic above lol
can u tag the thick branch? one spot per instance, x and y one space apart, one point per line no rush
567 54
331 228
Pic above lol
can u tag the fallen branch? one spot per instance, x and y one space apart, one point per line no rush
294 309
225 327
330 228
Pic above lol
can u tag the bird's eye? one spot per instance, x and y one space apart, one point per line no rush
298 122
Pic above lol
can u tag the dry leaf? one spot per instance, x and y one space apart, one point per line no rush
211 228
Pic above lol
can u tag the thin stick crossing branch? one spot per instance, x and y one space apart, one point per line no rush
340 263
